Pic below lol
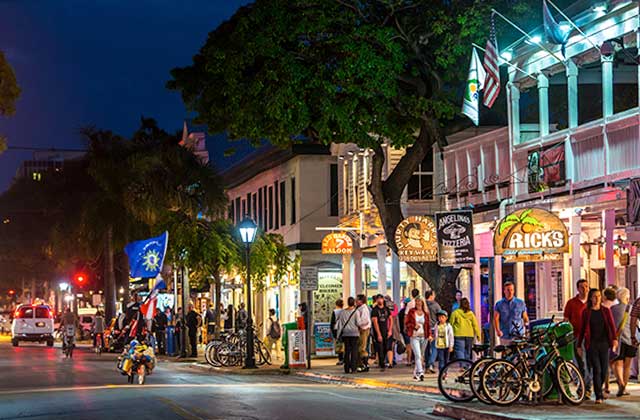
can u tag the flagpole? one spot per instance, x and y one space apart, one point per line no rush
539 44
506 62
574 25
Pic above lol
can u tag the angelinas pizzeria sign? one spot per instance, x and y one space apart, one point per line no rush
531 235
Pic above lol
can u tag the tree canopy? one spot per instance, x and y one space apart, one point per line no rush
9 93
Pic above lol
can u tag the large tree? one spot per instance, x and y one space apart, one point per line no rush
343 71
9 93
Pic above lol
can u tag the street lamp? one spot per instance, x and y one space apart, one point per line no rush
248 231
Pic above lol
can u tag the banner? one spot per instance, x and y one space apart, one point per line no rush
416 239
297 348
531 235
324 338
455 238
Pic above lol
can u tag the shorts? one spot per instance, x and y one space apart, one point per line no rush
626 351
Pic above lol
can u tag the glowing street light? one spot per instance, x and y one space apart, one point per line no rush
248 231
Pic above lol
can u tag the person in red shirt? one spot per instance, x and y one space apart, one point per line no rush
573 314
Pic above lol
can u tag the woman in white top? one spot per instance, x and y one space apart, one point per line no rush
417 327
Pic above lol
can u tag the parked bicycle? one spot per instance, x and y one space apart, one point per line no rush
229 350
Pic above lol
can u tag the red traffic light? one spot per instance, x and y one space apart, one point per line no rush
12 292
80 279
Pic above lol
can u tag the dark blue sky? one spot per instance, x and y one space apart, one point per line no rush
98 62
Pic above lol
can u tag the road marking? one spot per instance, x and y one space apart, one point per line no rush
179 410
113 387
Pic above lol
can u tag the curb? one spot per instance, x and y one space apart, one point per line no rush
371 383
237 371
460 413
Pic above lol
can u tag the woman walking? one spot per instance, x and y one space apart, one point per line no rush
348 332
622 363
598 333
417 328
465 329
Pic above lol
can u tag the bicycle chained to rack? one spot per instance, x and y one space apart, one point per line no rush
229 350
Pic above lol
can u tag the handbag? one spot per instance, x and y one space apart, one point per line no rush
341 330
400 347
613 354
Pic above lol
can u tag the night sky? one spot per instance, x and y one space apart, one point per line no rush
102 63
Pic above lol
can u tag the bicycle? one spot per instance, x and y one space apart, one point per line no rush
535 371
68 341
99 343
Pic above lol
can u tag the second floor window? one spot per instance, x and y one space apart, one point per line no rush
420 185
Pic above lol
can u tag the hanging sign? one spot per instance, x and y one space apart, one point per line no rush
308 278
337 243
531 235
416 239
455 238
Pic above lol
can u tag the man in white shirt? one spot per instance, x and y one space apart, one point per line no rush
363 321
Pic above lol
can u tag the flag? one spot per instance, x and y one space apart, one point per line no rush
475 80
148 308
491 65
556 33
146 256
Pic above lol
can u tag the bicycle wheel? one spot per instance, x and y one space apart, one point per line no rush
570 383
210 353
454 381
262 354
476 378
502 382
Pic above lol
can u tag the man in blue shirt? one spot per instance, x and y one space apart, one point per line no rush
509 310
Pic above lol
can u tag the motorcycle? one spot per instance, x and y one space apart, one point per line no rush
137 359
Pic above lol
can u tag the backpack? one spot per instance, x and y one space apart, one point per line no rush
275 331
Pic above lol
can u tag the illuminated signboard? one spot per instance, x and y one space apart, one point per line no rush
337 243
531 235
416 239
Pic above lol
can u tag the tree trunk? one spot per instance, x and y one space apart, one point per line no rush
217 300
110 277
387 195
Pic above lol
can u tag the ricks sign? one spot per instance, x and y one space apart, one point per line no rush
337 243
416 239
531 235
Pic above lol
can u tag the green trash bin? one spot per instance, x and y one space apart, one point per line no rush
563 334
289 326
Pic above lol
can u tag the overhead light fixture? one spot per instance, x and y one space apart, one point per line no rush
535 39
600 7
506 55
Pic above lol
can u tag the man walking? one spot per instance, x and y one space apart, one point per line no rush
210 321
274 332
573 314
381 321
192 326
434 308
510 315
241 318
160 326
363 321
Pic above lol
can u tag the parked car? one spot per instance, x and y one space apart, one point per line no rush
32 323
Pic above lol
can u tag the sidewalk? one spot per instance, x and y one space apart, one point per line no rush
401 378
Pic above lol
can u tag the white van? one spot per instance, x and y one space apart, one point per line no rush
32 323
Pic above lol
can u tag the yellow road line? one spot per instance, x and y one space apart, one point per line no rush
185 414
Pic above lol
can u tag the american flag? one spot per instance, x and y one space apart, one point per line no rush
491 63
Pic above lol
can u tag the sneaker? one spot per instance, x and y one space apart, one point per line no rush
415 378
390 366
421 378
431 370
599 401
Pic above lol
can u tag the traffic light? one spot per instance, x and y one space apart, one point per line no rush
12 292
80 279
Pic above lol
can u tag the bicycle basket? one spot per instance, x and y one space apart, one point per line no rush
565 339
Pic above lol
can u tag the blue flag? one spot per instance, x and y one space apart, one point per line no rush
557 33
146 256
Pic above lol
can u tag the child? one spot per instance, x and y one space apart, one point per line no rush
443 332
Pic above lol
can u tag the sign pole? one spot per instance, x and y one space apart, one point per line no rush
308 326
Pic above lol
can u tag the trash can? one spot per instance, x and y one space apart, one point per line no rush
286 327
171 341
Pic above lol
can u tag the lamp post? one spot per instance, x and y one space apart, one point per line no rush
248 231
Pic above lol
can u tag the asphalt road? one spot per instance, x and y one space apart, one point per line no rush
37 382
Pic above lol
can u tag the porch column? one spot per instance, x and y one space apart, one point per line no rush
543 104
520 292
395 278
513 111
357 270
381 254
575 228
609 217
477 287
572 93
606 60
347 287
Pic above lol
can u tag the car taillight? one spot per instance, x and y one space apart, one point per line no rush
51 314
17 314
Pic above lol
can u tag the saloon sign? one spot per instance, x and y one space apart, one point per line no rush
531 235
416 239
337 243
